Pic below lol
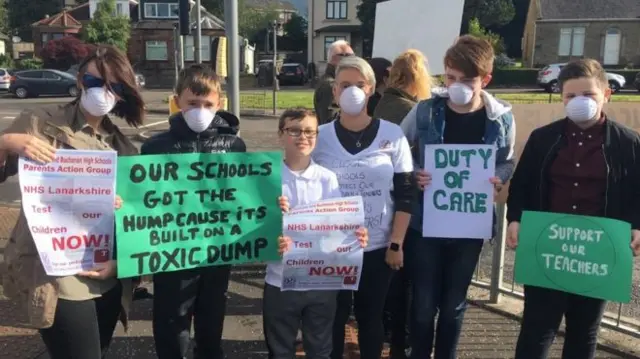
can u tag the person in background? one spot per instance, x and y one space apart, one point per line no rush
313 311
441 268
323 102
76 314
372 159
409 82
584 164
380 67
198 294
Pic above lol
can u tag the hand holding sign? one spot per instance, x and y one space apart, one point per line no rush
283 203
284 243
512 234
635 242
423 178
106 271
362 234
118 202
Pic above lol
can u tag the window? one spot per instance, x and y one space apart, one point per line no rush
31 74
46 36
328 40
571 41
119 10
190 49
50 76
156 51
336 9
160 10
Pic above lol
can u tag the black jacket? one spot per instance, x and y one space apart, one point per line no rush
529 188
221 136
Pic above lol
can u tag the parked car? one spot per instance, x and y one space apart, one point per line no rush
43 82
5 79
548 79
636 82
292 73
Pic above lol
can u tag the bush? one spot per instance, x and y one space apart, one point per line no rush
494 39
29 64
515 77
6 61
62 53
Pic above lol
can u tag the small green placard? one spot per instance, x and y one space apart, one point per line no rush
583 255
184 211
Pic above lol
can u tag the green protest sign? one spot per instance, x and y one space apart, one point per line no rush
583 255
184 211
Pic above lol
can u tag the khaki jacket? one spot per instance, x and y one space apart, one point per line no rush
24 278
394 105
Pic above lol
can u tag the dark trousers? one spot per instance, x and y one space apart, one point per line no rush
543 312
368 304
441 271
83 329
178 297
397 311
286 312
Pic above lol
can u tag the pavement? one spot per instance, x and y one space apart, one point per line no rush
489 332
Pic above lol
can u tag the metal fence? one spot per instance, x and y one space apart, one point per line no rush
495 272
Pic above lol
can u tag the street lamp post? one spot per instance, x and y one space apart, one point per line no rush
276 84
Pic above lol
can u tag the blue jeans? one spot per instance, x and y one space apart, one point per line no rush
441 271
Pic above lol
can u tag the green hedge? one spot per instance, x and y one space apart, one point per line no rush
522 77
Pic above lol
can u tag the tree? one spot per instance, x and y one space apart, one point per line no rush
4 19
62 53
490 13
24 13
366 13
216 7
105 28
251 20
477 30
296 31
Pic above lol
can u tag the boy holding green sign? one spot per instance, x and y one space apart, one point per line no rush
587 165
200 292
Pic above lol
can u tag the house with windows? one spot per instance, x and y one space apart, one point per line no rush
558 31
284 9
329 21
153 42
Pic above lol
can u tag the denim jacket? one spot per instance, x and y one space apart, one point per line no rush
424 125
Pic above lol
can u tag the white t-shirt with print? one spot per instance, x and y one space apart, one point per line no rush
368 173
303 187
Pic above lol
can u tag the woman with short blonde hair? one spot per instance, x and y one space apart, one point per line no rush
371 159
409 82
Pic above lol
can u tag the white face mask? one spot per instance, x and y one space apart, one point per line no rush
352 100
98 101
199 119
460 94
581 109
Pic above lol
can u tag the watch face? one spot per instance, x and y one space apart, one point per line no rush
394 247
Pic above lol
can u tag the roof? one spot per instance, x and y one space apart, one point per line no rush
62 19
589 9
80 13
278 4
340 28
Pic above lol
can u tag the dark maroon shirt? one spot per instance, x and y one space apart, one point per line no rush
578 175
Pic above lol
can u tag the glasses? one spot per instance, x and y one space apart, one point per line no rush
89 81
346 54
297 132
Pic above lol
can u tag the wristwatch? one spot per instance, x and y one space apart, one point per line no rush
394 247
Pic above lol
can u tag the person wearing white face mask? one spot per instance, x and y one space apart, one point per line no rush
372 159
199 293
585 164
76 315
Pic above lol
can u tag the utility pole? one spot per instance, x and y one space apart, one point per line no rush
184 8
197 40
276 84
233 60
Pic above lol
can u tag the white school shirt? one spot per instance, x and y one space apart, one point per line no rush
368 173
303 187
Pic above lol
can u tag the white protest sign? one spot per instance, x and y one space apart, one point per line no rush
325 254
430 26
69 206
459 201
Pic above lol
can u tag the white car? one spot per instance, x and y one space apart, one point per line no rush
548 79
5 79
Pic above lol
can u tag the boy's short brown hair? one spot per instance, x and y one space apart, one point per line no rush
201 80
588 68
471 55
294 114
